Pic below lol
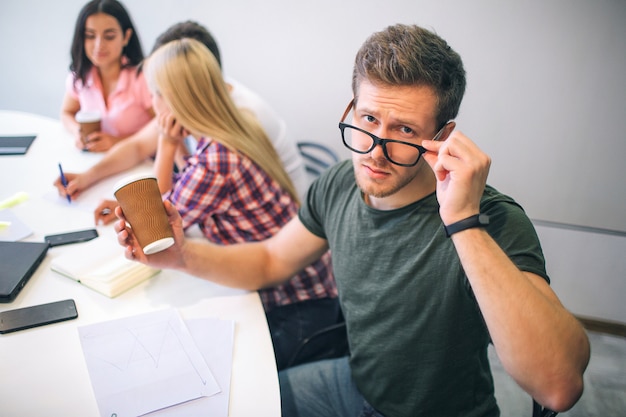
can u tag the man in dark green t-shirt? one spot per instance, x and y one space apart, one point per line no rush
431 263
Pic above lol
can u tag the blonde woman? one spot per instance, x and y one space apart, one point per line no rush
234 185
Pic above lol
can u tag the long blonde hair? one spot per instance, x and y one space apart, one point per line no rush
188 77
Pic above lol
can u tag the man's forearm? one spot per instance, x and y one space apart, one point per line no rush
539 342
126 154
223 264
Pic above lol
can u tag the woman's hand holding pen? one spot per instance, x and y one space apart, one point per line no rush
73 188
76 184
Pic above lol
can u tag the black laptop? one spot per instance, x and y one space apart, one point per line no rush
15 145
18 262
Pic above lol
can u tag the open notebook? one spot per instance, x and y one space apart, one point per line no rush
100 265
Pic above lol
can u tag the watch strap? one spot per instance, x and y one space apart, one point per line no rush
477 220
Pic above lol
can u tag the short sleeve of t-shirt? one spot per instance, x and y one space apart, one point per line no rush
331 186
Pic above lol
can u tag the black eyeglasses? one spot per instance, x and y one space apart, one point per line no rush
396 151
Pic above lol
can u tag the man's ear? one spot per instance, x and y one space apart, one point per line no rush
447 129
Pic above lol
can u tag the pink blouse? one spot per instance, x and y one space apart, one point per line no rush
128 108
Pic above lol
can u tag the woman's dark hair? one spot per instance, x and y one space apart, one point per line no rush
81 65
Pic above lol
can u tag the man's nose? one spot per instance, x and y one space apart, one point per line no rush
378 152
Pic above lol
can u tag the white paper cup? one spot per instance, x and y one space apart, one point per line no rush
89 121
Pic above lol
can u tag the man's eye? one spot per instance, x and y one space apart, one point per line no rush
370 119
406 130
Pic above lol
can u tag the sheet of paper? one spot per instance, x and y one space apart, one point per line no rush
144 363
12 228
215 339
82 204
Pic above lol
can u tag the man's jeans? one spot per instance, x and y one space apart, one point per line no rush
323 388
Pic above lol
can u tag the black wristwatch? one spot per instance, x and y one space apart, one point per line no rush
477 220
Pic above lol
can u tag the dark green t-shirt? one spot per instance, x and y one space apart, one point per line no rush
417 338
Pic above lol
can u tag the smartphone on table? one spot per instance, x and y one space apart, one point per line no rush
37 315
71 237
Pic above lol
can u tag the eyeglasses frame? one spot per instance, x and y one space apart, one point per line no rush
382 142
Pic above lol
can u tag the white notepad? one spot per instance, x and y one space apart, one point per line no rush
100 265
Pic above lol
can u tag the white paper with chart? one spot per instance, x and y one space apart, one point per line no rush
145 363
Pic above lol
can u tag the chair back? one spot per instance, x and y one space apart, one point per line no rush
317 157
329 342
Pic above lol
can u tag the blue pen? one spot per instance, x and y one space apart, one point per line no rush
64 182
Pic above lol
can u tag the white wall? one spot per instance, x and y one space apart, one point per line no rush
587 270
546 79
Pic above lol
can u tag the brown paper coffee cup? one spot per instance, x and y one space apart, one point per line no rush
143 208
89 122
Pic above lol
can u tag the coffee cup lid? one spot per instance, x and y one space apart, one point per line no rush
131 178
87 116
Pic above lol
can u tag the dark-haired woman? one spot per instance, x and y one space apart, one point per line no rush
104 78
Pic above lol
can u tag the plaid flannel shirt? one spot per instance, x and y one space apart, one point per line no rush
232 200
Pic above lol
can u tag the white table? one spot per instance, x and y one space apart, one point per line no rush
42 370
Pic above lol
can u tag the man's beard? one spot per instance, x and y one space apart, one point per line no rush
392 185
